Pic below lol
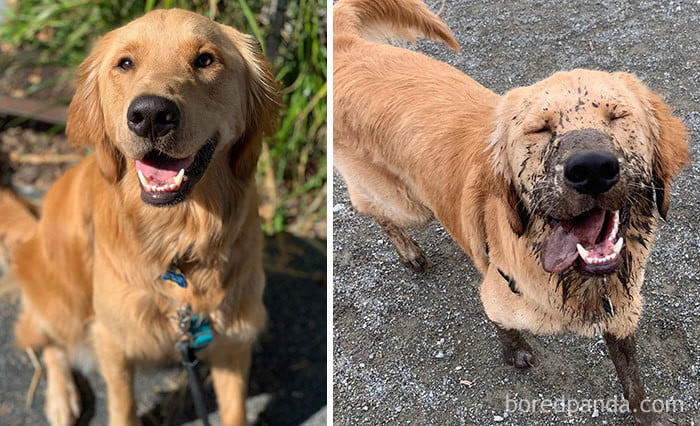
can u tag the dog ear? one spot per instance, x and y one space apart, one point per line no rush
85 119
670 151
516 213
504 117
262 104
506 199
670 141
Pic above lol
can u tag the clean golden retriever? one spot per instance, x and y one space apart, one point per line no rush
550 189
175 106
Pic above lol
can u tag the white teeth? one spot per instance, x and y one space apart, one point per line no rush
582 252
167 187
618 246
179 177
142 178
615 225
590 258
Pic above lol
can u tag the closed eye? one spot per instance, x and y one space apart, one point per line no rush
616 113
543 128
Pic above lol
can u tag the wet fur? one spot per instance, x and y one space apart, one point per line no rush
90 268
410 147
415 139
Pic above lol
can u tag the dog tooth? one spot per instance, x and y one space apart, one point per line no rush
179 177
618 246
585 255
616 224
142 178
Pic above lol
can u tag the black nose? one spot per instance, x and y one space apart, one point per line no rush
152 116
592 172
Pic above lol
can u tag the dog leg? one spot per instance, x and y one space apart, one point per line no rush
624 355
118 373
516 351
62 398
410 253
229 364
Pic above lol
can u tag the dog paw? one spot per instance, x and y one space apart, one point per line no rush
520 357
417 264
62 404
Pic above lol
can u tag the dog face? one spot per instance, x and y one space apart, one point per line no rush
584 151
163 95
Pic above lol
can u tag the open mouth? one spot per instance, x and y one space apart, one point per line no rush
592 240
165 180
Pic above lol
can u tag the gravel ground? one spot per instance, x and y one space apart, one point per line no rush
418 349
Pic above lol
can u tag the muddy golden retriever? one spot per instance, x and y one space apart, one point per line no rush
175 106
550 189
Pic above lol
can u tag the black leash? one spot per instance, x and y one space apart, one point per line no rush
190 361
196 335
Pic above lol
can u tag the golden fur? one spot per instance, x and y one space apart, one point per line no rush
415 139
90 272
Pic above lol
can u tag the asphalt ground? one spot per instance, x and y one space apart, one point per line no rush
418 349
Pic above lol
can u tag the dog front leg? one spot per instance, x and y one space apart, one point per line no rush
229 364
118 373
624 355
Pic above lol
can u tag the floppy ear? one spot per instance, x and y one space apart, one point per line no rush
670 141
262 104
85 120
516 213
503 118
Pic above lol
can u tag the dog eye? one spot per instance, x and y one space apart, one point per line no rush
125 64
204 60
544 128
616 112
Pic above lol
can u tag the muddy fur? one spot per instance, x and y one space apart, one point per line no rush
415 139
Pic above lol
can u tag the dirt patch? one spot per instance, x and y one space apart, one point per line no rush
418 349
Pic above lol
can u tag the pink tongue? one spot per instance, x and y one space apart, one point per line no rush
162 170
559 250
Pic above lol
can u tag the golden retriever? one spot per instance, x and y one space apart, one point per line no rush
175 106
550 189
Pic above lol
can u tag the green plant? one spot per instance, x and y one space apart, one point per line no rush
292 171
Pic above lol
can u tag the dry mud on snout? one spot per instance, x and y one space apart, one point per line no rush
418 349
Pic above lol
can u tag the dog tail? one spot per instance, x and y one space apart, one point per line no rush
380 20
17 223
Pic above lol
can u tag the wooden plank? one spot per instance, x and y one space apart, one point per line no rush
39 111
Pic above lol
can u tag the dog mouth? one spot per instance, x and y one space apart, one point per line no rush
167 181
592 241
